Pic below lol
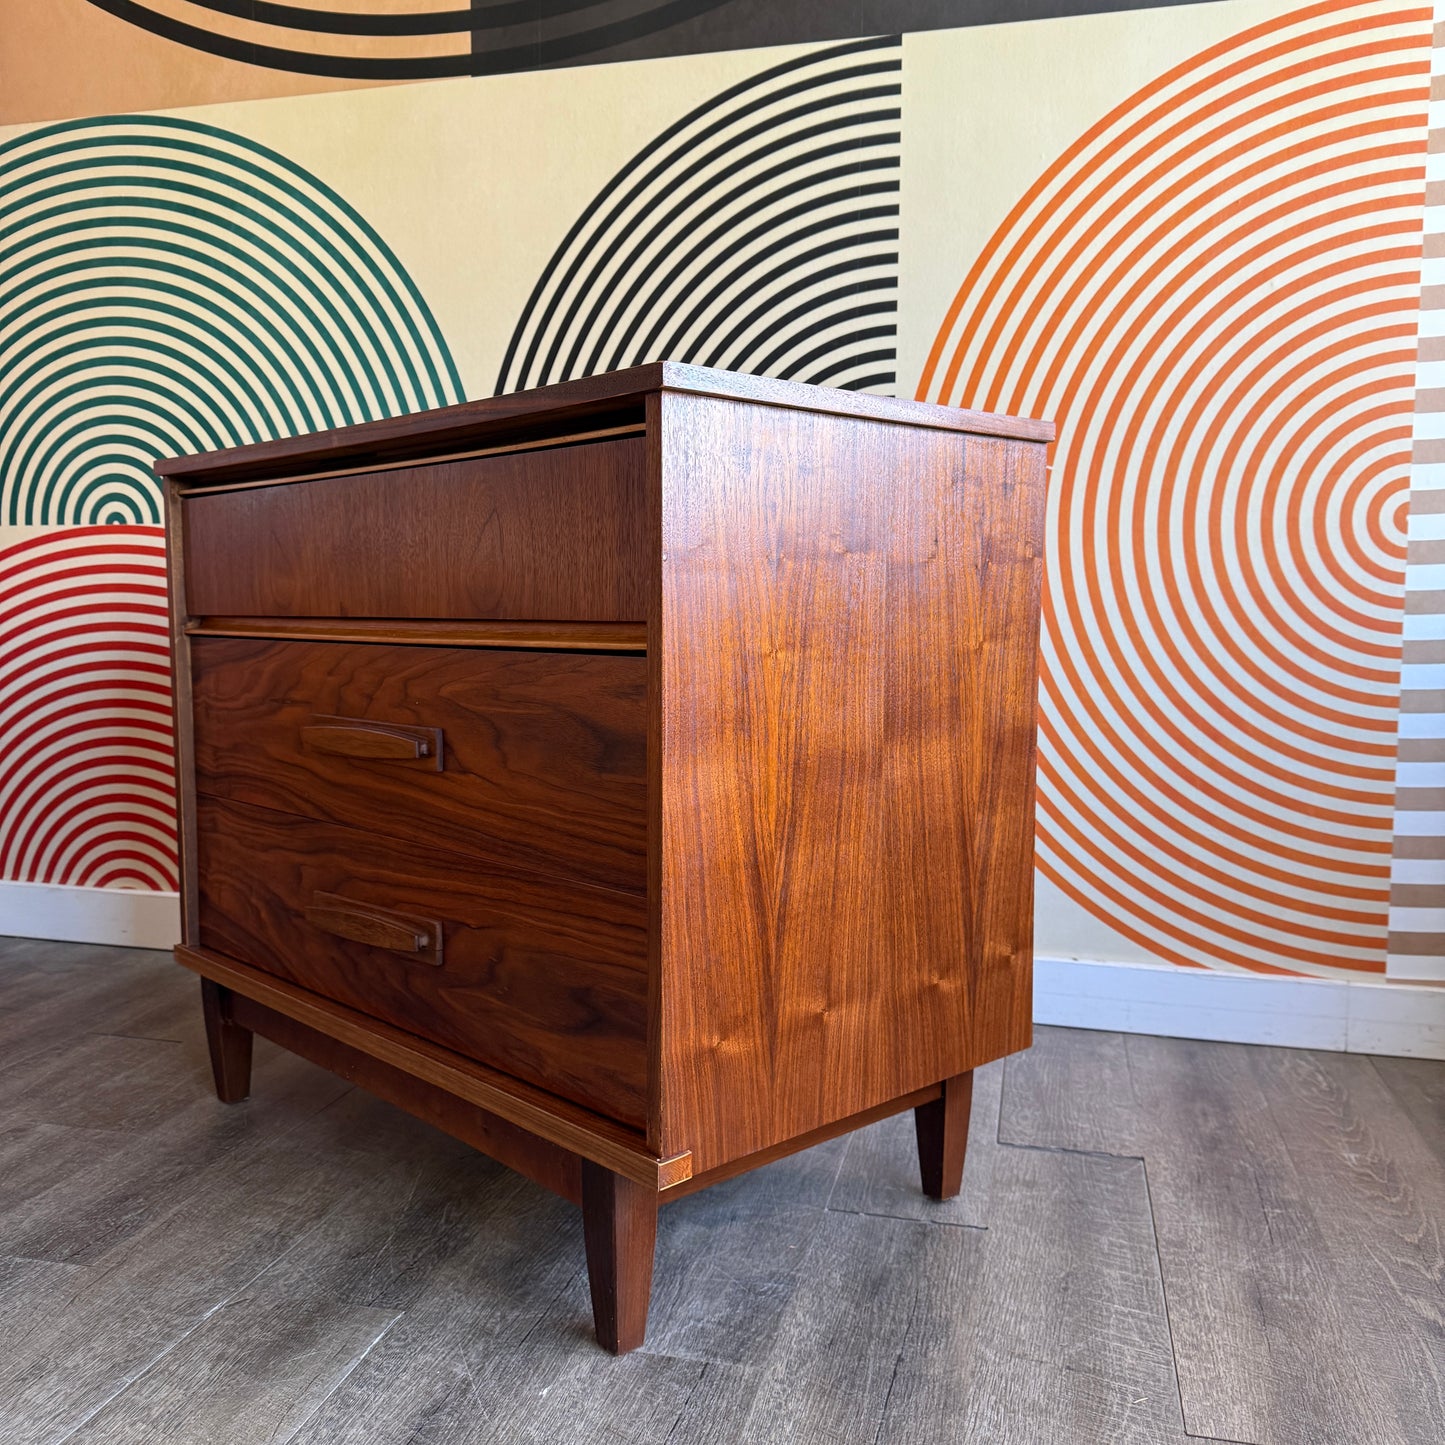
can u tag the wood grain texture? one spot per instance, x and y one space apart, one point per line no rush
1418 1086
32 1153
1292 1200
419 940
51 1000
835 1354
615 398
533 535
1052 1328
544 756
1358 1159
767 882
561 438
203 1239
478 1344
774 1317
847 634
365 741
1048 1326
417 1202
739 1251
1075 1089
179 614
683 1187
98 1082
544 982
96 1192
265 1359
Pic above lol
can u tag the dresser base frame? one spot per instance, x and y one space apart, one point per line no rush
619 1209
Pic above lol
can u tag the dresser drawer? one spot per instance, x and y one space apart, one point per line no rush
554 535
544 981
531 760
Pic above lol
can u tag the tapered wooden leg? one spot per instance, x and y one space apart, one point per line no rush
229 1043
942 1127
619 1221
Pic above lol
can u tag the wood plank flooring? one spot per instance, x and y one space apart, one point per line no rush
1159 1242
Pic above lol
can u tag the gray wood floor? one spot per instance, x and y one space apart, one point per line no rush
1158 1241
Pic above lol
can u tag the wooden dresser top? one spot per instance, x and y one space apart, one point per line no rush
609 404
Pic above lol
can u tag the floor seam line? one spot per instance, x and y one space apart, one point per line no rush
908 1219
1164 1297
1066 1149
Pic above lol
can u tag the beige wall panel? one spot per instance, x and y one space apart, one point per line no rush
60 59
989 108
474 182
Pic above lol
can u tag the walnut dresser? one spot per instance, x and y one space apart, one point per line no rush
633 777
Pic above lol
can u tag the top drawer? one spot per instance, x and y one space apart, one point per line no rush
552 535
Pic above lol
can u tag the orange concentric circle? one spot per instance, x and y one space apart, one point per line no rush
1214 293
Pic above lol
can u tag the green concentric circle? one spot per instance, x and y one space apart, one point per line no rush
169 287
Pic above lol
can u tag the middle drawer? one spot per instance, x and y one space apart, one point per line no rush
528 759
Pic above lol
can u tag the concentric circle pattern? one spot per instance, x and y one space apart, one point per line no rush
758 233
1214 293
398 40
170 287
87 778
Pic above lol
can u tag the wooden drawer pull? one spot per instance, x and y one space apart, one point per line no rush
421 938
354 737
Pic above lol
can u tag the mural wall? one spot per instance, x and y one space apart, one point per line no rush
1191 234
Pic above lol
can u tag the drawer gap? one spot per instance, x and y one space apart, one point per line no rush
428 632
414 457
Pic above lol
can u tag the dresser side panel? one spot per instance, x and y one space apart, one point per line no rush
848 645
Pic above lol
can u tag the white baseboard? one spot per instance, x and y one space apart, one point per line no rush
123 916
1365 1016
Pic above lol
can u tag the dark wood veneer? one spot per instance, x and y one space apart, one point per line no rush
529 535
640 808
542 979
542 763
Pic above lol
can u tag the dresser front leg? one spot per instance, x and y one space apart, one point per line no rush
619 1222
942 1128
229 1043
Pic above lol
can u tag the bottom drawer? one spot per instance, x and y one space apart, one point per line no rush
545 981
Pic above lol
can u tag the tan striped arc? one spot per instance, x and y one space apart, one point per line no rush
1417 870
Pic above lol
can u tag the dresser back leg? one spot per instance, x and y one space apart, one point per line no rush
229 1043
942 1127
619 1221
